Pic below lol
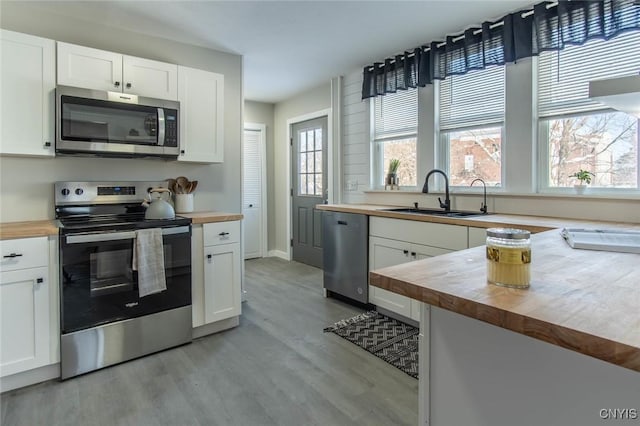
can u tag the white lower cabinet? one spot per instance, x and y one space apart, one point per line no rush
477 237
26 308
419 241
216 272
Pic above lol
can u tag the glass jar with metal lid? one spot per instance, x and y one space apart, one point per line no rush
509 257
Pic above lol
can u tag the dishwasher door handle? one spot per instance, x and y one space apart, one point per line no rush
342 222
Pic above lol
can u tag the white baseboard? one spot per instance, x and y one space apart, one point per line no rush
30 377
215 327
278 253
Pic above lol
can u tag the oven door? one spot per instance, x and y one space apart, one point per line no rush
98 285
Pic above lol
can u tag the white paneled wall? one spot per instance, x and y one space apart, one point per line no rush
355 140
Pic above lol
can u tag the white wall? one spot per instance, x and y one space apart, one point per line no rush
312 100
26 184
263 113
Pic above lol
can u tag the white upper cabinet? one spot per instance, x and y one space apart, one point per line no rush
149 78
27 94
81 66
201 96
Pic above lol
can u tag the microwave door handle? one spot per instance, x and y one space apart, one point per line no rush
161 126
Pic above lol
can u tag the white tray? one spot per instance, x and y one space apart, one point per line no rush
620 240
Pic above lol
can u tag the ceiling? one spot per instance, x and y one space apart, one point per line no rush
290 46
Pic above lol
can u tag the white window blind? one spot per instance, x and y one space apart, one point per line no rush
473 99
396 114
563 76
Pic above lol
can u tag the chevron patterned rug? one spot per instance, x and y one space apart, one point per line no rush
390 340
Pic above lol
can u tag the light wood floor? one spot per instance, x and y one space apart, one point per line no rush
276 368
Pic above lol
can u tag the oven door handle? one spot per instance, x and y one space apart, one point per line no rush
113 236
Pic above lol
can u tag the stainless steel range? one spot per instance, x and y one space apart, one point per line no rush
105 316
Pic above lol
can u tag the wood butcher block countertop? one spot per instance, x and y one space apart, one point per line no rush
41 228
583 300
33 228
211 216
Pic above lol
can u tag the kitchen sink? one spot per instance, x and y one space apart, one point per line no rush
435 212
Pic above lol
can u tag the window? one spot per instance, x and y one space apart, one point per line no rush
395 129
310 162
472 126
578 133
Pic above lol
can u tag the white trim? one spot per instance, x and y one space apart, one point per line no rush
278 253
30 377
262 128
294 120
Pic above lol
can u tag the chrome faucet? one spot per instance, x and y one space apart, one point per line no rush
425 189
483 206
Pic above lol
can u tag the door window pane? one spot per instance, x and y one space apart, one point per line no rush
310 162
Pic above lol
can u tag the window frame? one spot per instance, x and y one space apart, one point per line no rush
543 186
378 174
443 156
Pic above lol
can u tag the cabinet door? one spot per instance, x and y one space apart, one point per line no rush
417 252
477 237
382 253
81 66
201 96
221 282
24 316
27 91
148 78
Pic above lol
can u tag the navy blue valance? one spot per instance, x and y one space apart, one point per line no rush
516 36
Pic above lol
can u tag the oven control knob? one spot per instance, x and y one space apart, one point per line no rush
79 191
65 191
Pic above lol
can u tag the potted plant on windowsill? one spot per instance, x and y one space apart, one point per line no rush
584 176
392 173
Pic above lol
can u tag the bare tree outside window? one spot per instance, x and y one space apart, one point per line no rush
604 144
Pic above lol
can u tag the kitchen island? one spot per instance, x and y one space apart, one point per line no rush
565 351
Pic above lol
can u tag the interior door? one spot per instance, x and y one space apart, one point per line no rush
309 188
253 191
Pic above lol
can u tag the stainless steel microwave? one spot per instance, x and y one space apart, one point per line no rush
115 124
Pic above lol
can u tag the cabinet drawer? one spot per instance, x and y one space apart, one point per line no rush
24 253
221 233
452 237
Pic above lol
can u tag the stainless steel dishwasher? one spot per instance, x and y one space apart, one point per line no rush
345 253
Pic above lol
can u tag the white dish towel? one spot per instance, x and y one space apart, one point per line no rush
148 260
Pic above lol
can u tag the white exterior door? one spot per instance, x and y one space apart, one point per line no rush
254 191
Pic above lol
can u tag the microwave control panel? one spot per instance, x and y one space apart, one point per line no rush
171 127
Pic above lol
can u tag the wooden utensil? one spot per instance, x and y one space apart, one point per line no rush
182 183
194 184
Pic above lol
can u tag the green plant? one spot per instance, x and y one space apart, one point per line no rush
584 176
394 163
